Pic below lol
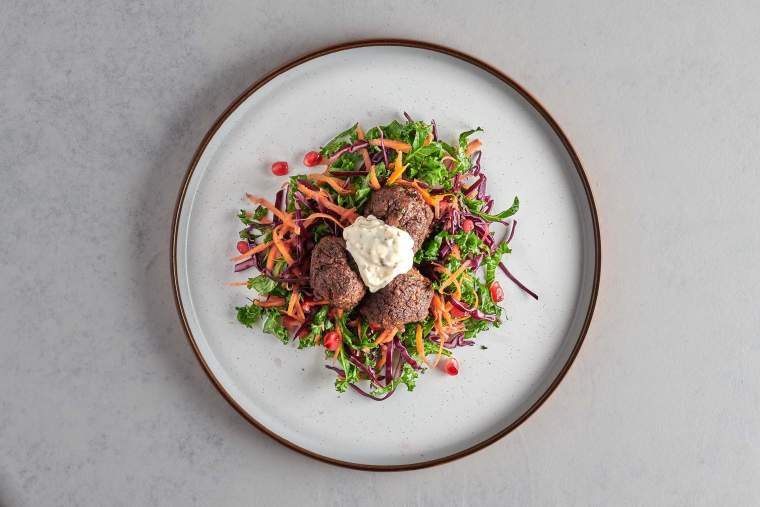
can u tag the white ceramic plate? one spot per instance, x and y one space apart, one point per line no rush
288 393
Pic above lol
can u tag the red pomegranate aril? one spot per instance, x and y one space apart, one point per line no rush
242 247
375 327
496 293
280 168
331 340
311 159
452 366
468 225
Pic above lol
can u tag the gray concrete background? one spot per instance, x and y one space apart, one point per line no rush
101 106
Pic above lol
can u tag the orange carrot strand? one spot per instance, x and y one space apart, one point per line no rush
453 277
273 254
314 216
398 168
394 145
277 240
335 183
472 147
253 251
286 218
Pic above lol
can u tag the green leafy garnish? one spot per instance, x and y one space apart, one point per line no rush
491 262
316 330
337 142
430 248
251 218
262 284
273 325
500 216
408 377
248 315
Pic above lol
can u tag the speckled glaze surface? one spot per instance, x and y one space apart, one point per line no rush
289 393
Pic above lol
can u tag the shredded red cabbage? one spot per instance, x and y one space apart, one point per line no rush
517 282
405 353
474 312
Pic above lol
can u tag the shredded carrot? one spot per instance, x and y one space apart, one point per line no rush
433 200
373 182
456 327
449 158
394 145
458 291
383 357
335 183
348 215
292 303
455 252
386 336
251 252
437 305
277 240
420 345
439 311
314 216
237 284
472 147
308 304
398 169
271 302
273 254
442 337
453 277
286 218
439 267
428 139
447 316
299 311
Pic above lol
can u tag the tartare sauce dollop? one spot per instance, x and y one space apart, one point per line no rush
381 251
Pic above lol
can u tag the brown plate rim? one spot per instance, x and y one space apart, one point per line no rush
506 80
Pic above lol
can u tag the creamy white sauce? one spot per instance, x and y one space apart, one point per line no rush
381 251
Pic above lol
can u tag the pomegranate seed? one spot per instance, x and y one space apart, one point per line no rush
496 293
468 225
331 340
452 366
311 159
375 327
280 168
242 247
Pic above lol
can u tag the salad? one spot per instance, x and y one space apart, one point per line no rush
309 289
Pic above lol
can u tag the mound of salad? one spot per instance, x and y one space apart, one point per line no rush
454 262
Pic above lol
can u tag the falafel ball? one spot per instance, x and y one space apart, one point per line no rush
332 276
402 207
406 299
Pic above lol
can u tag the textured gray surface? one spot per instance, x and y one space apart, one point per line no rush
101 399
